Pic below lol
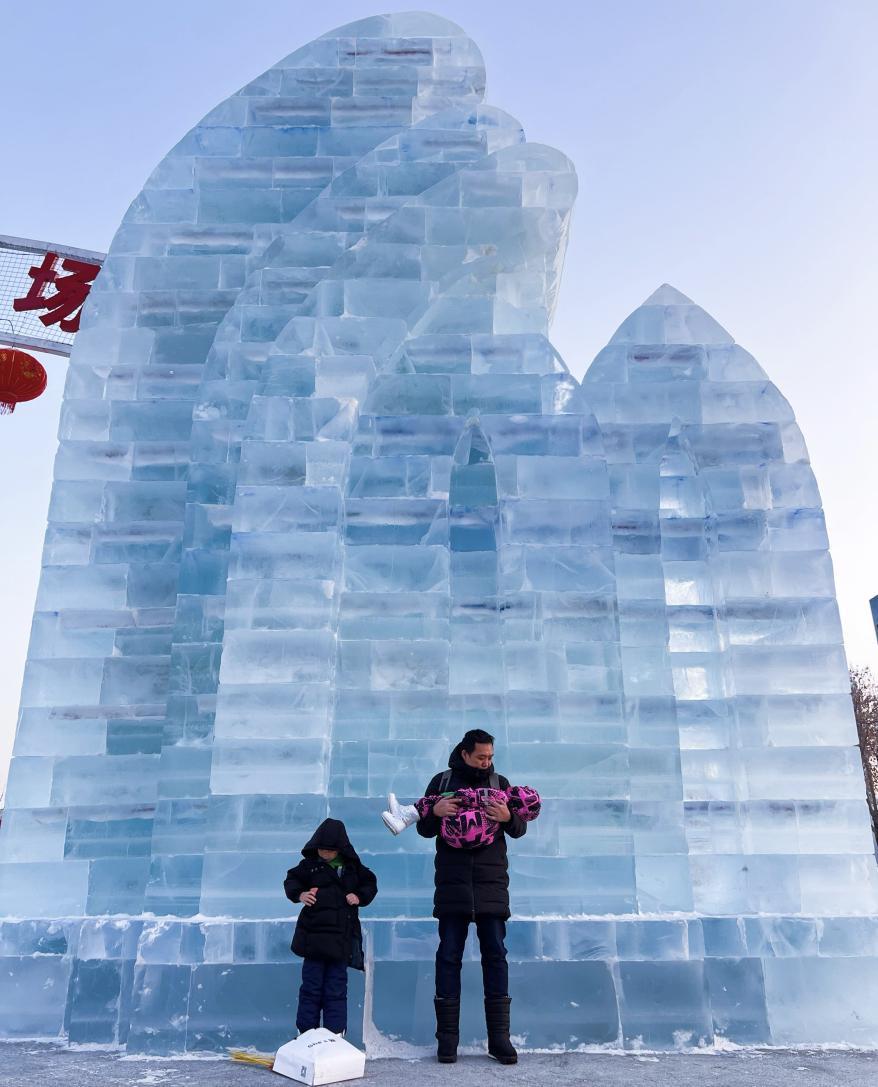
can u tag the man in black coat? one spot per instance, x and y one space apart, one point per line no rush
331 883
471 885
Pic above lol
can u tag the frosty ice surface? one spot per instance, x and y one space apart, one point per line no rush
325 496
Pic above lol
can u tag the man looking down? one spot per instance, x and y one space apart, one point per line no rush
471 885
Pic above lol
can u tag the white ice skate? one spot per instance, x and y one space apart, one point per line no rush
400 816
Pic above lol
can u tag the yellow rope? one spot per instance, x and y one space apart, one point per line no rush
251 1058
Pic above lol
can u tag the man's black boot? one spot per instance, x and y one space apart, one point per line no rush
447 1029
497 1019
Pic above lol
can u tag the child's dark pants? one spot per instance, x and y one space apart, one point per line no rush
324 988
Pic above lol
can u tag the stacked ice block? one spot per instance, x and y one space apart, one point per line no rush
325 497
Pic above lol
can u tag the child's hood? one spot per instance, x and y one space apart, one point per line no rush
331 834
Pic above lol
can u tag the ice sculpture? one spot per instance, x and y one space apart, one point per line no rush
326 496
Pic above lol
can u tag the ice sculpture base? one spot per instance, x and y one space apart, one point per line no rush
166 986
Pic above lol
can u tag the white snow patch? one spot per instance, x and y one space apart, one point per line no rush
133 1057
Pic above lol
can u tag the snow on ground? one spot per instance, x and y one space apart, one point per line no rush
29 1064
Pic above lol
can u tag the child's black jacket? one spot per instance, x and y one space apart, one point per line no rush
330 929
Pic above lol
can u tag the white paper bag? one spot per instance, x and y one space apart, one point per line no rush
319 1056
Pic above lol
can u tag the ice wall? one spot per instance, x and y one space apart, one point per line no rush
325 497
732 615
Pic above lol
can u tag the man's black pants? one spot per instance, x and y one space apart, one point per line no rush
452 940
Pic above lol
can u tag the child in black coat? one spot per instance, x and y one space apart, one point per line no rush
331 883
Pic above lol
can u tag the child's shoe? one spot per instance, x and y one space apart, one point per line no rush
400 816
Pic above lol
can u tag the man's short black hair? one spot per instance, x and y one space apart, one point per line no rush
473 737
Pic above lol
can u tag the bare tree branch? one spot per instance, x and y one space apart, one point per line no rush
864 695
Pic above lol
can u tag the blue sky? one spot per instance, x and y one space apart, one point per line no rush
728 147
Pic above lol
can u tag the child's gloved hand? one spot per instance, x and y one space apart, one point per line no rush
308 898
352 900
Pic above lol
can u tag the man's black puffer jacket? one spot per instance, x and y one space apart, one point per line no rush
470 881
330 929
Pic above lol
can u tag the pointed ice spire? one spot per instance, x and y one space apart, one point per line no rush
666 295
473 476
472 446
669 317
472 495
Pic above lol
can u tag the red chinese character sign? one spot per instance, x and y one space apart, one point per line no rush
21 378
61 296
42 291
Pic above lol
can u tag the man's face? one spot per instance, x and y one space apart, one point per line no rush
481 756
327 854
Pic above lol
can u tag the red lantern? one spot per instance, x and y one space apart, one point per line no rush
21 378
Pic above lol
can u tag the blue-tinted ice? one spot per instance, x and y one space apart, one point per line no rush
325 497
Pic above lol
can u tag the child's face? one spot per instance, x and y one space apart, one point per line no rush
327 854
